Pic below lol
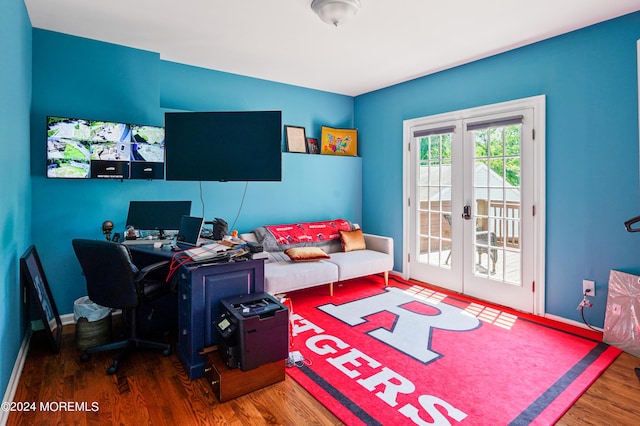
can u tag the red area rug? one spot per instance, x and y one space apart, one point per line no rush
408 354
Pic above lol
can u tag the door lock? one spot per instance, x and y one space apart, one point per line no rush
466 212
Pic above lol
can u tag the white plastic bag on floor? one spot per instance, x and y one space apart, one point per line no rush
622 316
85 308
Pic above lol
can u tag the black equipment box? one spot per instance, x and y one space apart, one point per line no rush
254 329
255 247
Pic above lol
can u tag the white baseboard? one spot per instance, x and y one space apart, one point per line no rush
67 319
12 386
570 322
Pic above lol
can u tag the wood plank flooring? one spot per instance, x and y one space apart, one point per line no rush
154 390
611 400
148 389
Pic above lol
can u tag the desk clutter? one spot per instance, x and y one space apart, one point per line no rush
214 252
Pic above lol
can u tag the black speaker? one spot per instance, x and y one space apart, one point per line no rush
220 229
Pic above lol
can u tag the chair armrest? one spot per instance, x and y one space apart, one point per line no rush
379 243
149 268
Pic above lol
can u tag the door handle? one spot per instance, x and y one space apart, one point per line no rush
466 212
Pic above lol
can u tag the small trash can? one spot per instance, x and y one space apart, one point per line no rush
93 323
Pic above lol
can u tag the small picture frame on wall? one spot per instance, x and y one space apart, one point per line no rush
313 147
296 139
339 141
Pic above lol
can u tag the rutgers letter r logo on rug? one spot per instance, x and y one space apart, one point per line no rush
409 325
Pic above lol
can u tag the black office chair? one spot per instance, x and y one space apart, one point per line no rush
115 282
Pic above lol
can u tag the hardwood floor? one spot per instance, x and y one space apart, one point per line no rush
611 400
148 389
152 389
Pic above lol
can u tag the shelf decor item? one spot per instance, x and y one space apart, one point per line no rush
312 146
339 141
296 139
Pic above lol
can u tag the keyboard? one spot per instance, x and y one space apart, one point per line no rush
142 241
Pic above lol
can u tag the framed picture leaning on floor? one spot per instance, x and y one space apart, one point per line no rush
35 281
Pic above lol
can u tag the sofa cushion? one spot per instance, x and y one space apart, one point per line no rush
359 263
352 240
281 277
306 254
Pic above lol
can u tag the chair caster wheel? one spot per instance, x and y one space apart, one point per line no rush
84 357
113 369
166 352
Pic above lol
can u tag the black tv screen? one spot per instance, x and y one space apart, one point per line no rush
82 149
224 146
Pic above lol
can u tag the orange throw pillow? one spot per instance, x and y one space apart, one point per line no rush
306 254
352 240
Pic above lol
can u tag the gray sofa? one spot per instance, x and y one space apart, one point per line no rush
282 275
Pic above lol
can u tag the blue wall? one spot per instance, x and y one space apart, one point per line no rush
15 191
83 78
590 81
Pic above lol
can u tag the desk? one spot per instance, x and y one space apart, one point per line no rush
200 288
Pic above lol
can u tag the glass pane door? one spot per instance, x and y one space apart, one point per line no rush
434 197
496 202
499 228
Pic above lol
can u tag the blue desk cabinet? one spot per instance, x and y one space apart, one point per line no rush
200 289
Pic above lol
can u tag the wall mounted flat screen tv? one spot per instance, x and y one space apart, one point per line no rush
224 146
82 149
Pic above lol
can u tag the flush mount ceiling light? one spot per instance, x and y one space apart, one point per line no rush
335 12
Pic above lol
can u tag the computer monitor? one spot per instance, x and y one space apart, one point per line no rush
157 215
189 231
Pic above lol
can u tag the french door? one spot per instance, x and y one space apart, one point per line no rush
474 182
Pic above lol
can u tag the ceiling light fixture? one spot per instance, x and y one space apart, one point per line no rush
335 12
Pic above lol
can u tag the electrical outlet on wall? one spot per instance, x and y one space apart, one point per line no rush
589 287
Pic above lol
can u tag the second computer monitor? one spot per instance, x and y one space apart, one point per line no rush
157 215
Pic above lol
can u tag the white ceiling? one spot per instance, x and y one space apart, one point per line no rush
387 42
